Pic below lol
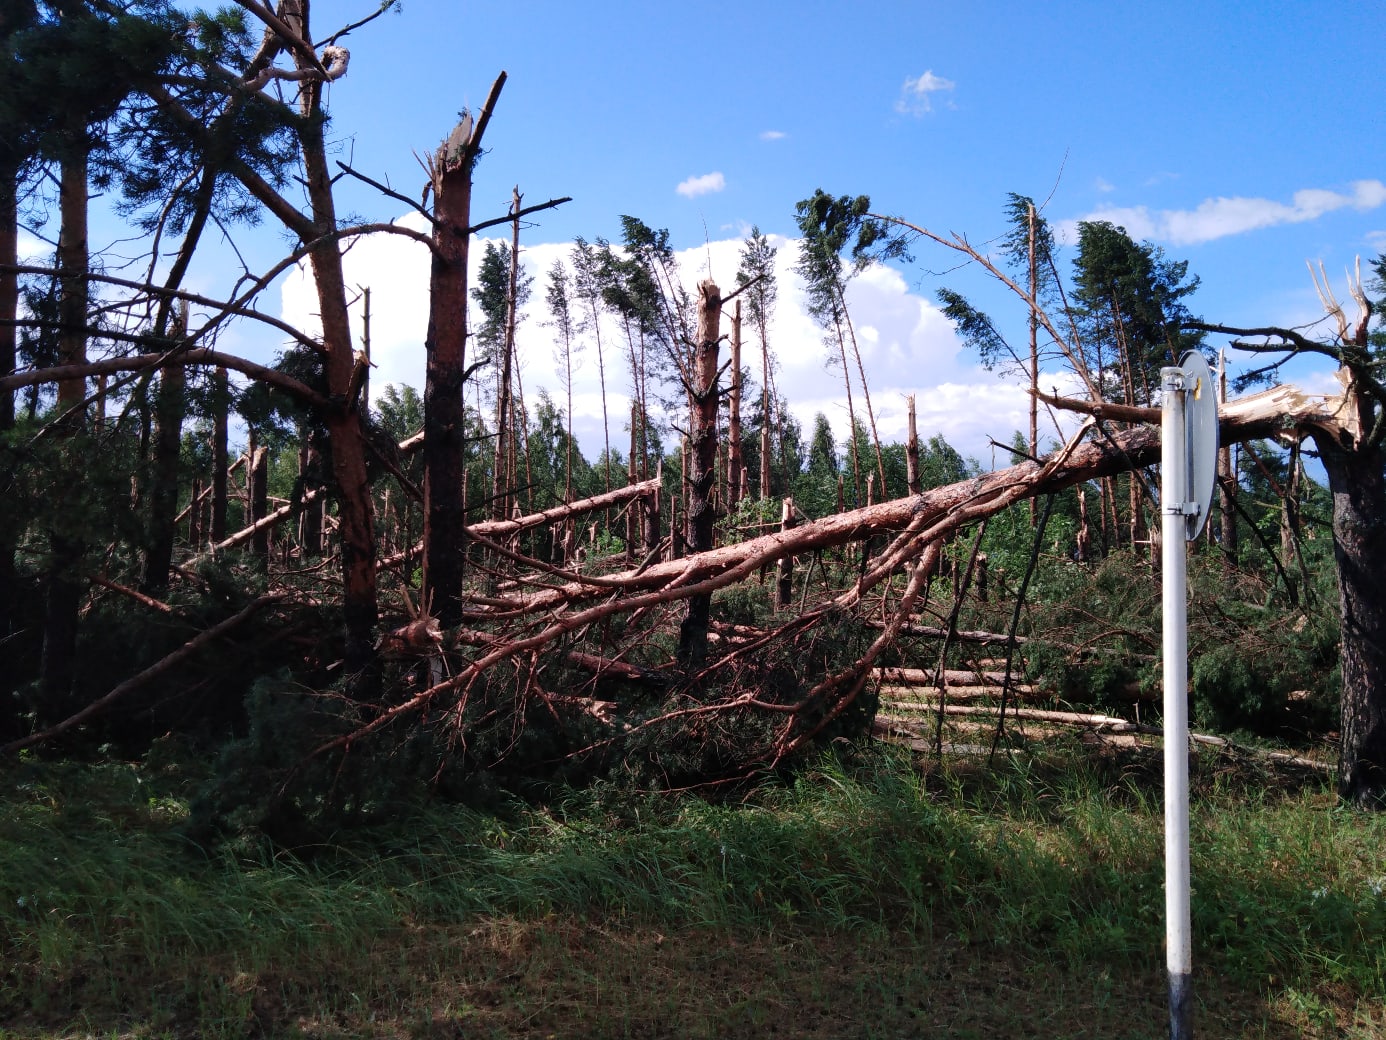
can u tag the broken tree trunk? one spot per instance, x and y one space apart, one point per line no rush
444 443
702 430
951 505
912 453
548 616
784 581
503 529
259 504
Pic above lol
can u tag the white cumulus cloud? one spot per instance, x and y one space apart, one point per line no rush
1223 216
915 96
703 185
907 345
773 135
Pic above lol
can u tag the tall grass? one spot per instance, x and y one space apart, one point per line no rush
106 911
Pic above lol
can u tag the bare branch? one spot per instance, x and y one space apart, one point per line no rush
192 356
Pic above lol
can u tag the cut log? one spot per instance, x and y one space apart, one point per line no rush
1067 718
951 677
898 696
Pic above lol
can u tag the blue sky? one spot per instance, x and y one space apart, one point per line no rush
1241 137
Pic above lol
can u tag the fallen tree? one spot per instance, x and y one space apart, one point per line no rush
551 615
560 610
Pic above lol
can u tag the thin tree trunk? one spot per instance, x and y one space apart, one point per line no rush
9 341
1034 353
444 412
765 404
734 460
169 407
521 424
865 391
221 404
652 525
259 503
356 525
500 492
194 513
364 397
1227 479
633 530
170 404
702 431
851 423
59 655
784 584
912 452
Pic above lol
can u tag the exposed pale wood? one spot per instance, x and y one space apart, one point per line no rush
951 677
943 507
270 520
501 529
960 636
901 696
887 726
701 475
1068 718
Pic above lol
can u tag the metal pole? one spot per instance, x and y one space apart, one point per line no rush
1174 504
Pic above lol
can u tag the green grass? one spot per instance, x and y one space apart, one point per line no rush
868 899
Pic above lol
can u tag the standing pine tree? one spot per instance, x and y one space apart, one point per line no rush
827 226
757 272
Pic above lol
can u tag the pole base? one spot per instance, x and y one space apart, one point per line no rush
1180 1007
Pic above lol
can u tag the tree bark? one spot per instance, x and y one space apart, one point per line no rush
221 405
735 465
1355 478
257 474
444 448
1227 479
9 341
444 412
702 436
169 407
1260 416
59 655
784 577
501 487
356 525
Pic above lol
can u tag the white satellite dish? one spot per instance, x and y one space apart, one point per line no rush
1201 439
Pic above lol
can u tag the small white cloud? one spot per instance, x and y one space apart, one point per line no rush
704 185
915 97
1159 178
1103 185
1377 240
773 135
1368 194
1223 216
